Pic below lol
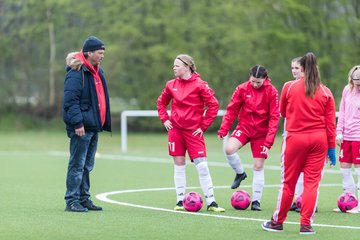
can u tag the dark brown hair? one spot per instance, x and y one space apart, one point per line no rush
311 73
258 71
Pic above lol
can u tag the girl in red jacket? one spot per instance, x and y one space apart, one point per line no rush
188 120
309 109
255 104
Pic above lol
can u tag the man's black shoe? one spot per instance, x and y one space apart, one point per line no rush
255 206
238 178
75 207
90 205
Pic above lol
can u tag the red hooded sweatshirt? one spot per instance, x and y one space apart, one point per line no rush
189 99
257 110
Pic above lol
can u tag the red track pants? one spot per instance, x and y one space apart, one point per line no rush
301 152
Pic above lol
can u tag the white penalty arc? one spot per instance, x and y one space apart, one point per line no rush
105 198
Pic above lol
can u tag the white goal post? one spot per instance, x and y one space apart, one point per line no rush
145 113
139 113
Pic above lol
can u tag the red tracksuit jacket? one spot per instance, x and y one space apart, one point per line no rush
257 109
306 115
189 99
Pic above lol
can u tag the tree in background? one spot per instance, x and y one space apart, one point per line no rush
142 37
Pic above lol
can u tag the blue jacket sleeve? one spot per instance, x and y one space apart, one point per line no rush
71 102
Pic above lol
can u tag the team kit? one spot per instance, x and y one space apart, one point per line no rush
310 133
308 108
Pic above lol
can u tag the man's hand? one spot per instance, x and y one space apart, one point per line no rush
80 131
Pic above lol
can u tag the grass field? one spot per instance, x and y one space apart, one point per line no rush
33 169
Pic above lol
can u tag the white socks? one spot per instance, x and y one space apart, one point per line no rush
258 184
180 181
205 182
299 186
235 162
347 180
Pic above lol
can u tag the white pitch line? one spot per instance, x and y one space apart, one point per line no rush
104 197
119 157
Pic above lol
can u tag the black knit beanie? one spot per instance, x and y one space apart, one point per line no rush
92 44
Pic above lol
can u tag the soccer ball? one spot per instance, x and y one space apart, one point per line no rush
298 202
240 200
347 201
192 202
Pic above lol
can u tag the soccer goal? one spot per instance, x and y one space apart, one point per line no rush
139 113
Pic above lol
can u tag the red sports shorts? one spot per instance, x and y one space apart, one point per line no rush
181 141
256 144
350 152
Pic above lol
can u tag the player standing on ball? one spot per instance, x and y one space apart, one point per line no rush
255 104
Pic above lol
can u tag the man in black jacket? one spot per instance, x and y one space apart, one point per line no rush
86 111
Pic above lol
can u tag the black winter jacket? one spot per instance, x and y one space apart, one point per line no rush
80 103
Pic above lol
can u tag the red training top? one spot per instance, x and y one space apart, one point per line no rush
257 109
306 114
189 98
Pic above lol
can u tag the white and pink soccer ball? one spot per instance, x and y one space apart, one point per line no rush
240 200
192 202
347 201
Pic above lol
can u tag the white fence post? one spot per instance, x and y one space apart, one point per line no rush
132 113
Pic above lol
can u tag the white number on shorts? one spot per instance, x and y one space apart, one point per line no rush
237 133
341 155
172 146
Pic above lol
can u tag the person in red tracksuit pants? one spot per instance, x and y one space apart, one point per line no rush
309 109
255 104
188 120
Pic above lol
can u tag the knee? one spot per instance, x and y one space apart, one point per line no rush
230 150
258 166
203 169
179 161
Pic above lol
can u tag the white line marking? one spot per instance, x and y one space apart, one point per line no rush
104 197
119 157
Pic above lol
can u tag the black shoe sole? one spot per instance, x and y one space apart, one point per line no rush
93 209
256 209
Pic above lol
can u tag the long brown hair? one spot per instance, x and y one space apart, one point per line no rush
311 74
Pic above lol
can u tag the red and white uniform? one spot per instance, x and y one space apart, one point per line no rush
189 100
310 125
257 110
